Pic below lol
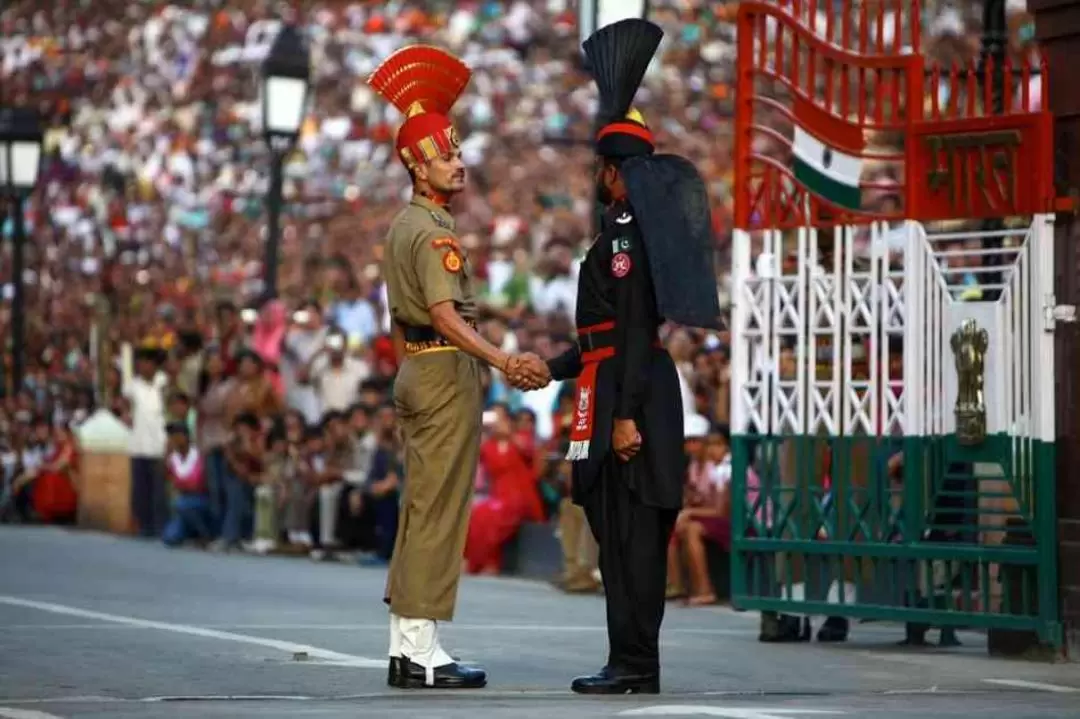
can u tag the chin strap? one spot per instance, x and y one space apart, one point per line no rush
420 643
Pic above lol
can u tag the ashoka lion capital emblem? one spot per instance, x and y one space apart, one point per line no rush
969 344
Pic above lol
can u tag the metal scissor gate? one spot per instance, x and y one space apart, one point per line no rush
892 343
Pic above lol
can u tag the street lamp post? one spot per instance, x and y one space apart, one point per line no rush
21 140
285 89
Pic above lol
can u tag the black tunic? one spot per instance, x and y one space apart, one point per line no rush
641 381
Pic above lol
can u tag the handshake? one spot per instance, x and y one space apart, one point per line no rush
527 372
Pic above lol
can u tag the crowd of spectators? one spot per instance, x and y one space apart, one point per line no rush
275 427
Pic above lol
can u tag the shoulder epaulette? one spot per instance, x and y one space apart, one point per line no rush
440 220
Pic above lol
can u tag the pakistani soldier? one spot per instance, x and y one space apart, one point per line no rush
651 262
437 392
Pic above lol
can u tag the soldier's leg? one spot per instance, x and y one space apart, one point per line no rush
443 443
633 541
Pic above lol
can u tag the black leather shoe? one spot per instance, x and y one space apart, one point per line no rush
606 681
395 674
835 629
780 628
448 676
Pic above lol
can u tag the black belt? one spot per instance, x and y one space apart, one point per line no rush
421 334
424 337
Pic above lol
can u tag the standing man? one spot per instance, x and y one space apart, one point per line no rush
651 262
437 393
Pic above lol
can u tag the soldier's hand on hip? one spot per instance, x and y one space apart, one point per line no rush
625 439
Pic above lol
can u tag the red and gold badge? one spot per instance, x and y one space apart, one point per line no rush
451 262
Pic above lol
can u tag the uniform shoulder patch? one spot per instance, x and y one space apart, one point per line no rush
452 262
452 259
440 220
624 219
621 244
621 265
442 242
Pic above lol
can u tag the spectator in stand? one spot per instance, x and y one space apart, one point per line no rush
186 470
368 512
252 393
145 391
510 492
267 340
47 492
213 431
340 468
303 341
353 313
707 517
244 466
336 374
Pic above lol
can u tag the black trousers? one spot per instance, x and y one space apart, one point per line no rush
633 540
149 495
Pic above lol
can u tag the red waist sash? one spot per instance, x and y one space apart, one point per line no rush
581 428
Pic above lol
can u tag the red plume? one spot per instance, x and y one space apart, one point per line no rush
424 74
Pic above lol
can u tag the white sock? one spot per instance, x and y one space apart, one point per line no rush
395 635
420 643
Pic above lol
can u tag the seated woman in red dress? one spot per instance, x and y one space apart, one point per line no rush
50 488
507 460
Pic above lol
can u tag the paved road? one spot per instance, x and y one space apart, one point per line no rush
98 626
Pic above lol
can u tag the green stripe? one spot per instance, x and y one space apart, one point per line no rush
824 186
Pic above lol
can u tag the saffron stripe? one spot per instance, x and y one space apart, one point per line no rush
832 130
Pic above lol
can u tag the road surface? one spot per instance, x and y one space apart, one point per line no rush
100 626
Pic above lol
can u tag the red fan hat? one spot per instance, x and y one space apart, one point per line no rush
423 83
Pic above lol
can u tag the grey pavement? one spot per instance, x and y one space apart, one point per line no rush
100 626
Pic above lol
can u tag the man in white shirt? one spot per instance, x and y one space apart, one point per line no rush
304 340
145 391
336 375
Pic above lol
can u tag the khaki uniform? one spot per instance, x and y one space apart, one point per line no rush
439 399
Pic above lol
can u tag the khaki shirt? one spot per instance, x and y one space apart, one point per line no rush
424 265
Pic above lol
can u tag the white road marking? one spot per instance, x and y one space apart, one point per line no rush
338 658
9 713
1024 684
449 626
728 712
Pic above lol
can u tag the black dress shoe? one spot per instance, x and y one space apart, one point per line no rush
607 681
835 629
448 676
782 628
396 673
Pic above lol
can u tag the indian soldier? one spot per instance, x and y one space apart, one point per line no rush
651 262
437 393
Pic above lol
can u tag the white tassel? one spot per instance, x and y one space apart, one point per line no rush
578 451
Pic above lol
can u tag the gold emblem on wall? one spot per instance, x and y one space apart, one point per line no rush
969 344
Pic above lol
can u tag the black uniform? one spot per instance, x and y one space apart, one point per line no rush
631 506
652 261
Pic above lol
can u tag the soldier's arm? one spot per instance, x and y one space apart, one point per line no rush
441 285
567 365
633 321
447 322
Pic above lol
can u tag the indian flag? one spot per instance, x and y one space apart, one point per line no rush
828 154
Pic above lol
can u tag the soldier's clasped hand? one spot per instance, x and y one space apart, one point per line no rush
527 372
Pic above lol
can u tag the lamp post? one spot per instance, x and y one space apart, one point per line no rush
21 140
285 88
